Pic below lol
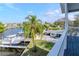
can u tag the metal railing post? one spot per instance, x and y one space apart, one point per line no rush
66 23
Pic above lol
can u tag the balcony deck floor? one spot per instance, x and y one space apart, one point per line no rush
72 46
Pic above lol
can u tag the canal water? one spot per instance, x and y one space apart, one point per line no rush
12 31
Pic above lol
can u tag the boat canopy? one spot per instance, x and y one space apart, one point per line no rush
10 36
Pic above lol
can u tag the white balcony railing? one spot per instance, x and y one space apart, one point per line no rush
60 46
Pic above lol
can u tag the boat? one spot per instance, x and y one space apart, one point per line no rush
12 39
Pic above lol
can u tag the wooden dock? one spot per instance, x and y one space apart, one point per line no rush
12 46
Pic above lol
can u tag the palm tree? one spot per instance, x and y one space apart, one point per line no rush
40 29
2 28
31 27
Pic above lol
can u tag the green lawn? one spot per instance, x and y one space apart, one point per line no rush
43 47
0 42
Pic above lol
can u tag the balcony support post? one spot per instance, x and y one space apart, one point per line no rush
66 23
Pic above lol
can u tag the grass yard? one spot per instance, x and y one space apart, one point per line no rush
0 42
43 47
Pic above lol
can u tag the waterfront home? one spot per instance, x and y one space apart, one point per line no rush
12 25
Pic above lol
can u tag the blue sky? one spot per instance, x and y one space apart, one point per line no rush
16 13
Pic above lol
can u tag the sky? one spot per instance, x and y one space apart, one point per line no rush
16 13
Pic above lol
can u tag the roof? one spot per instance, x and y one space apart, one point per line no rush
71 7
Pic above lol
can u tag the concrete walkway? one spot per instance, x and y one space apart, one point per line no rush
48 38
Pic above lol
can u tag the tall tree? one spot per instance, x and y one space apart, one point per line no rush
31 27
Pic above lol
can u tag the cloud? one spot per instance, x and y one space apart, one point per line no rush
10 5
52 13
49 12
58 11
71 17
30 12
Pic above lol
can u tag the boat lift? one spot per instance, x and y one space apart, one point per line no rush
12 46
14 42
